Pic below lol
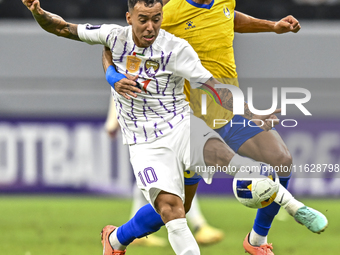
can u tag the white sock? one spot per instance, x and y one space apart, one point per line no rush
194 216
255 239
114 241
285 199
181 239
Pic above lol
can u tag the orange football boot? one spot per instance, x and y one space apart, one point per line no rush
264 249
107 248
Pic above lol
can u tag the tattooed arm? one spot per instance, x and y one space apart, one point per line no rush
266 122
226 97
50 22
227 102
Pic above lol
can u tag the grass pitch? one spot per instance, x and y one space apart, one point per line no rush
32 225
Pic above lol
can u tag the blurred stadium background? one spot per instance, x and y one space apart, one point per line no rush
54 100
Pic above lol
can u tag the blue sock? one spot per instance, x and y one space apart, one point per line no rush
145 221
265 216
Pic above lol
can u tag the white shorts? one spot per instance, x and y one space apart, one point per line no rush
160 165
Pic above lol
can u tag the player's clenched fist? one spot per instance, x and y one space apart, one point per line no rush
287 24
33 6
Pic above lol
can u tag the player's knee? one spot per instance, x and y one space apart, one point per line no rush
170 212
285 159
217 153
169 206
283 163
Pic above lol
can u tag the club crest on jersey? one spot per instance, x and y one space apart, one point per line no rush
226 12
151 67
190 25
133 63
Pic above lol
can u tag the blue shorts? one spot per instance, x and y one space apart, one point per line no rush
237 134
234 136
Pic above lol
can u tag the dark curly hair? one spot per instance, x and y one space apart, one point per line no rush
148 3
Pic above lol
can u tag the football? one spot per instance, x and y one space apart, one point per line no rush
256 188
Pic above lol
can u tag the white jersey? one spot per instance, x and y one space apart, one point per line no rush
162 68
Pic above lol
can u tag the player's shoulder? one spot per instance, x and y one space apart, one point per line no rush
116 32
224 1
174 5
117 29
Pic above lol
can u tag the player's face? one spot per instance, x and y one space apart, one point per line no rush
146 22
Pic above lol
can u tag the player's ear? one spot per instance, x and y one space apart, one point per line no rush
128 18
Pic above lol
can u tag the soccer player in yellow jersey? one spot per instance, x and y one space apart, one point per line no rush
209 28
209 25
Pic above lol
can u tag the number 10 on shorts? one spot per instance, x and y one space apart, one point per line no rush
148 175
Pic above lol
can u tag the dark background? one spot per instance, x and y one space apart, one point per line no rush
115 9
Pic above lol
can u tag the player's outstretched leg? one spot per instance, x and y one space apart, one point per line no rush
269 147
314 220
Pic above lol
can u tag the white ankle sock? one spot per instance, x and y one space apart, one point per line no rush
115 242
181 239
285 199
255 239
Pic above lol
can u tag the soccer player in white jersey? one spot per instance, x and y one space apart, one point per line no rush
156 125
204 233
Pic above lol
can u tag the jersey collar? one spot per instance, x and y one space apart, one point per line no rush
206 6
